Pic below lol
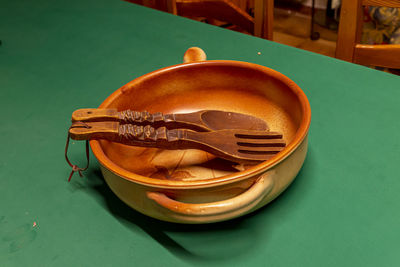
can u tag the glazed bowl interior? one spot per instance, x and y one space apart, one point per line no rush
215 85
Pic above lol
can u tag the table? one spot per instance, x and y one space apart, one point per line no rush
342 210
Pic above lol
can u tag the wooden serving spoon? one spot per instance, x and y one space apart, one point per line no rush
202 121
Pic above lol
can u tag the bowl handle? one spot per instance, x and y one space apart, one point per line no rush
220 210
194 54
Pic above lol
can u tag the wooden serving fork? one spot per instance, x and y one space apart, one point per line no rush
204 120
244 146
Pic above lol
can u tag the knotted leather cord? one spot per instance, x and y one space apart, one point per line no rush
74 167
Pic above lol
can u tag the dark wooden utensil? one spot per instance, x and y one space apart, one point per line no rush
231 144
204 120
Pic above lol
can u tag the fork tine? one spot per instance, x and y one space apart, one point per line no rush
261 142
257 153
253 157
259 145
260 150
257 135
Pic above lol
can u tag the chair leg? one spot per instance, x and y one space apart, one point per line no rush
313 35
264 18
171 7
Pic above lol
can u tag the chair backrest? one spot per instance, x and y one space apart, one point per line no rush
350 29
231 11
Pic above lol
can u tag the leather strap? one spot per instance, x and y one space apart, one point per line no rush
74 167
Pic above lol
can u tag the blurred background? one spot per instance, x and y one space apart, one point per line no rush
311 25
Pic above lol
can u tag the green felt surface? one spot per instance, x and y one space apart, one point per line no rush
342 210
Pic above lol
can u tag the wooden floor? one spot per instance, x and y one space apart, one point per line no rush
293 29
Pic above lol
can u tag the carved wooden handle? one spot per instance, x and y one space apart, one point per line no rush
220 210
94 130
115 131
126 116
95 114
130 116
129 134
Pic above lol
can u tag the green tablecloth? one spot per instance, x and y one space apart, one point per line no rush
342 210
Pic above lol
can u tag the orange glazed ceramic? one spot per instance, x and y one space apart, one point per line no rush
192 186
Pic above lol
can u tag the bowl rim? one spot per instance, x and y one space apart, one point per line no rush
300 135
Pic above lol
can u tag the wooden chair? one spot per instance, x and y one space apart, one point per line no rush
231 11
350 27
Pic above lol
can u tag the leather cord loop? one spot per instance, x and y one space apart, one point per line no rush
76 168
